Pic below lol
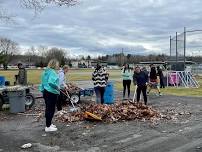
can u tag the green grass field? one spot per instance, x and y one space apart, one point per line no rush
85 74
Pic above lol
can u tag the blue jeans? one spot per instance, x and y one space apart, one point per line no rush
99 91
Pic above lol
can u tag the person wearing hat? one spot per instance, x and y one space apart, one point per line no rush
21 77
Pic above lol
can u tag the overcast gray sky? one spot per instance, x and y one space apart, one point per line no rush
97 27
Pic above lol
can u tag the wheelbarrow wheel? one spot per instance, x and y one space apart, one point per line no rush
29 100
75 98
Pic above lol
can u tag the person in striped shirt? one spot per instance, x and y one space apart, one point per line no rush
100 78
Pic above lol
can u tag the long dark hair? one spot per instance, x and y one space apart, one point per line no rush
153 74
126 67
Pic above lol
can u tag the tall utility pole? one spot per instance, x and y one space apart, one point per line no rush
184 48
176 53
122 57
170 47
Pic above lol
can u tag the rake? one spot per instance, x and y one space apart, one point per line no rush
73 109
135 93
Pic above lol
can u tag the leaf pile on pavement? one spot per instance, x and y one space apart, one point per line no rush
72 88
112 113
36 111
175 113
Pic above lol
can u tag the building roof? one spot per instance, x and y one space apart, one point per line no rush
167 62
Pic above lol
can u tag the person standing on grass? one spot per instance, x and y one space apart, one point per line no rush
63 86
50 88
127 77
154 80
100 78
140 78
160 74
21 78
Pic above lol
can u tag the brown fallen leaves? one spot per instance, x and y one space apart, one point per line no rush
112 113
72 88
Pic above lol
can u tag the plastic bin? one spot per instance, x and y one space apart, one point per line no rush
2 81
109 93
173 79
17 101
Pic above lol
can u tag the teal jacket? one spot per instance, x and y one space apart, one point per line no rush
127 75
49 81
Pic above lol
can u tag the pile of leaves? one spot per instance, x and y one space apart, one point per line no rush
112 113
72 88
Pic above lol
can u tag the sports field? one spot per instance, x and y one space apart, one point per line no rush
115 75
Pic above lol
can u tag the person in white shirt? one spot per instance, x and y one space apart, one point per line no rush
62 77
63 85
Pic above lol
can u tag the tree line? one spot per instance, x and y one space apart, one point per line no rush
39 56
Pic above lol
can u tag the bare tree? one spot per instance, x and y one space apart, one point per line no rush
4 14
42 50
7 49
36 5
33 50
40 4
56 53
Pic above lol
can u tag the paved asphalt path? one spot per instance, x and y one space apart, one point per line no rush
183 134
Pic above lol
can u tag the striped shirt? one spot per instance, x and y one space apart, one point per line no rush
100 78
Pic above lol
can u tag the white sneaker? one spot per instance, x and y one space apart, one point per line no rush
54 126
50 129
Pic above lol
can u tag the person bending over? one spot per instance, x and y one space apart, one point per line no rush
63 86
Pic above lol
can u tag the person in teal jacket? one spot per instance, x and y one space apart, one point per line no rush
50 88
127 77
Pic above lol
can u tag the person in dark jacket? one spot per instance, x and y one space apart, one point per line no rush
100 78
140 78
160 74
21 78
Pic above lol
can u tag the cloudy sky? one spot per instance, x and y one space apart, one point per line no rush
97 27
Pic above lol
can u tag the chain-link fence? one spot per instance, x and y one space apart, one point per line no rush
183 45
177 47
197 70
194 43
